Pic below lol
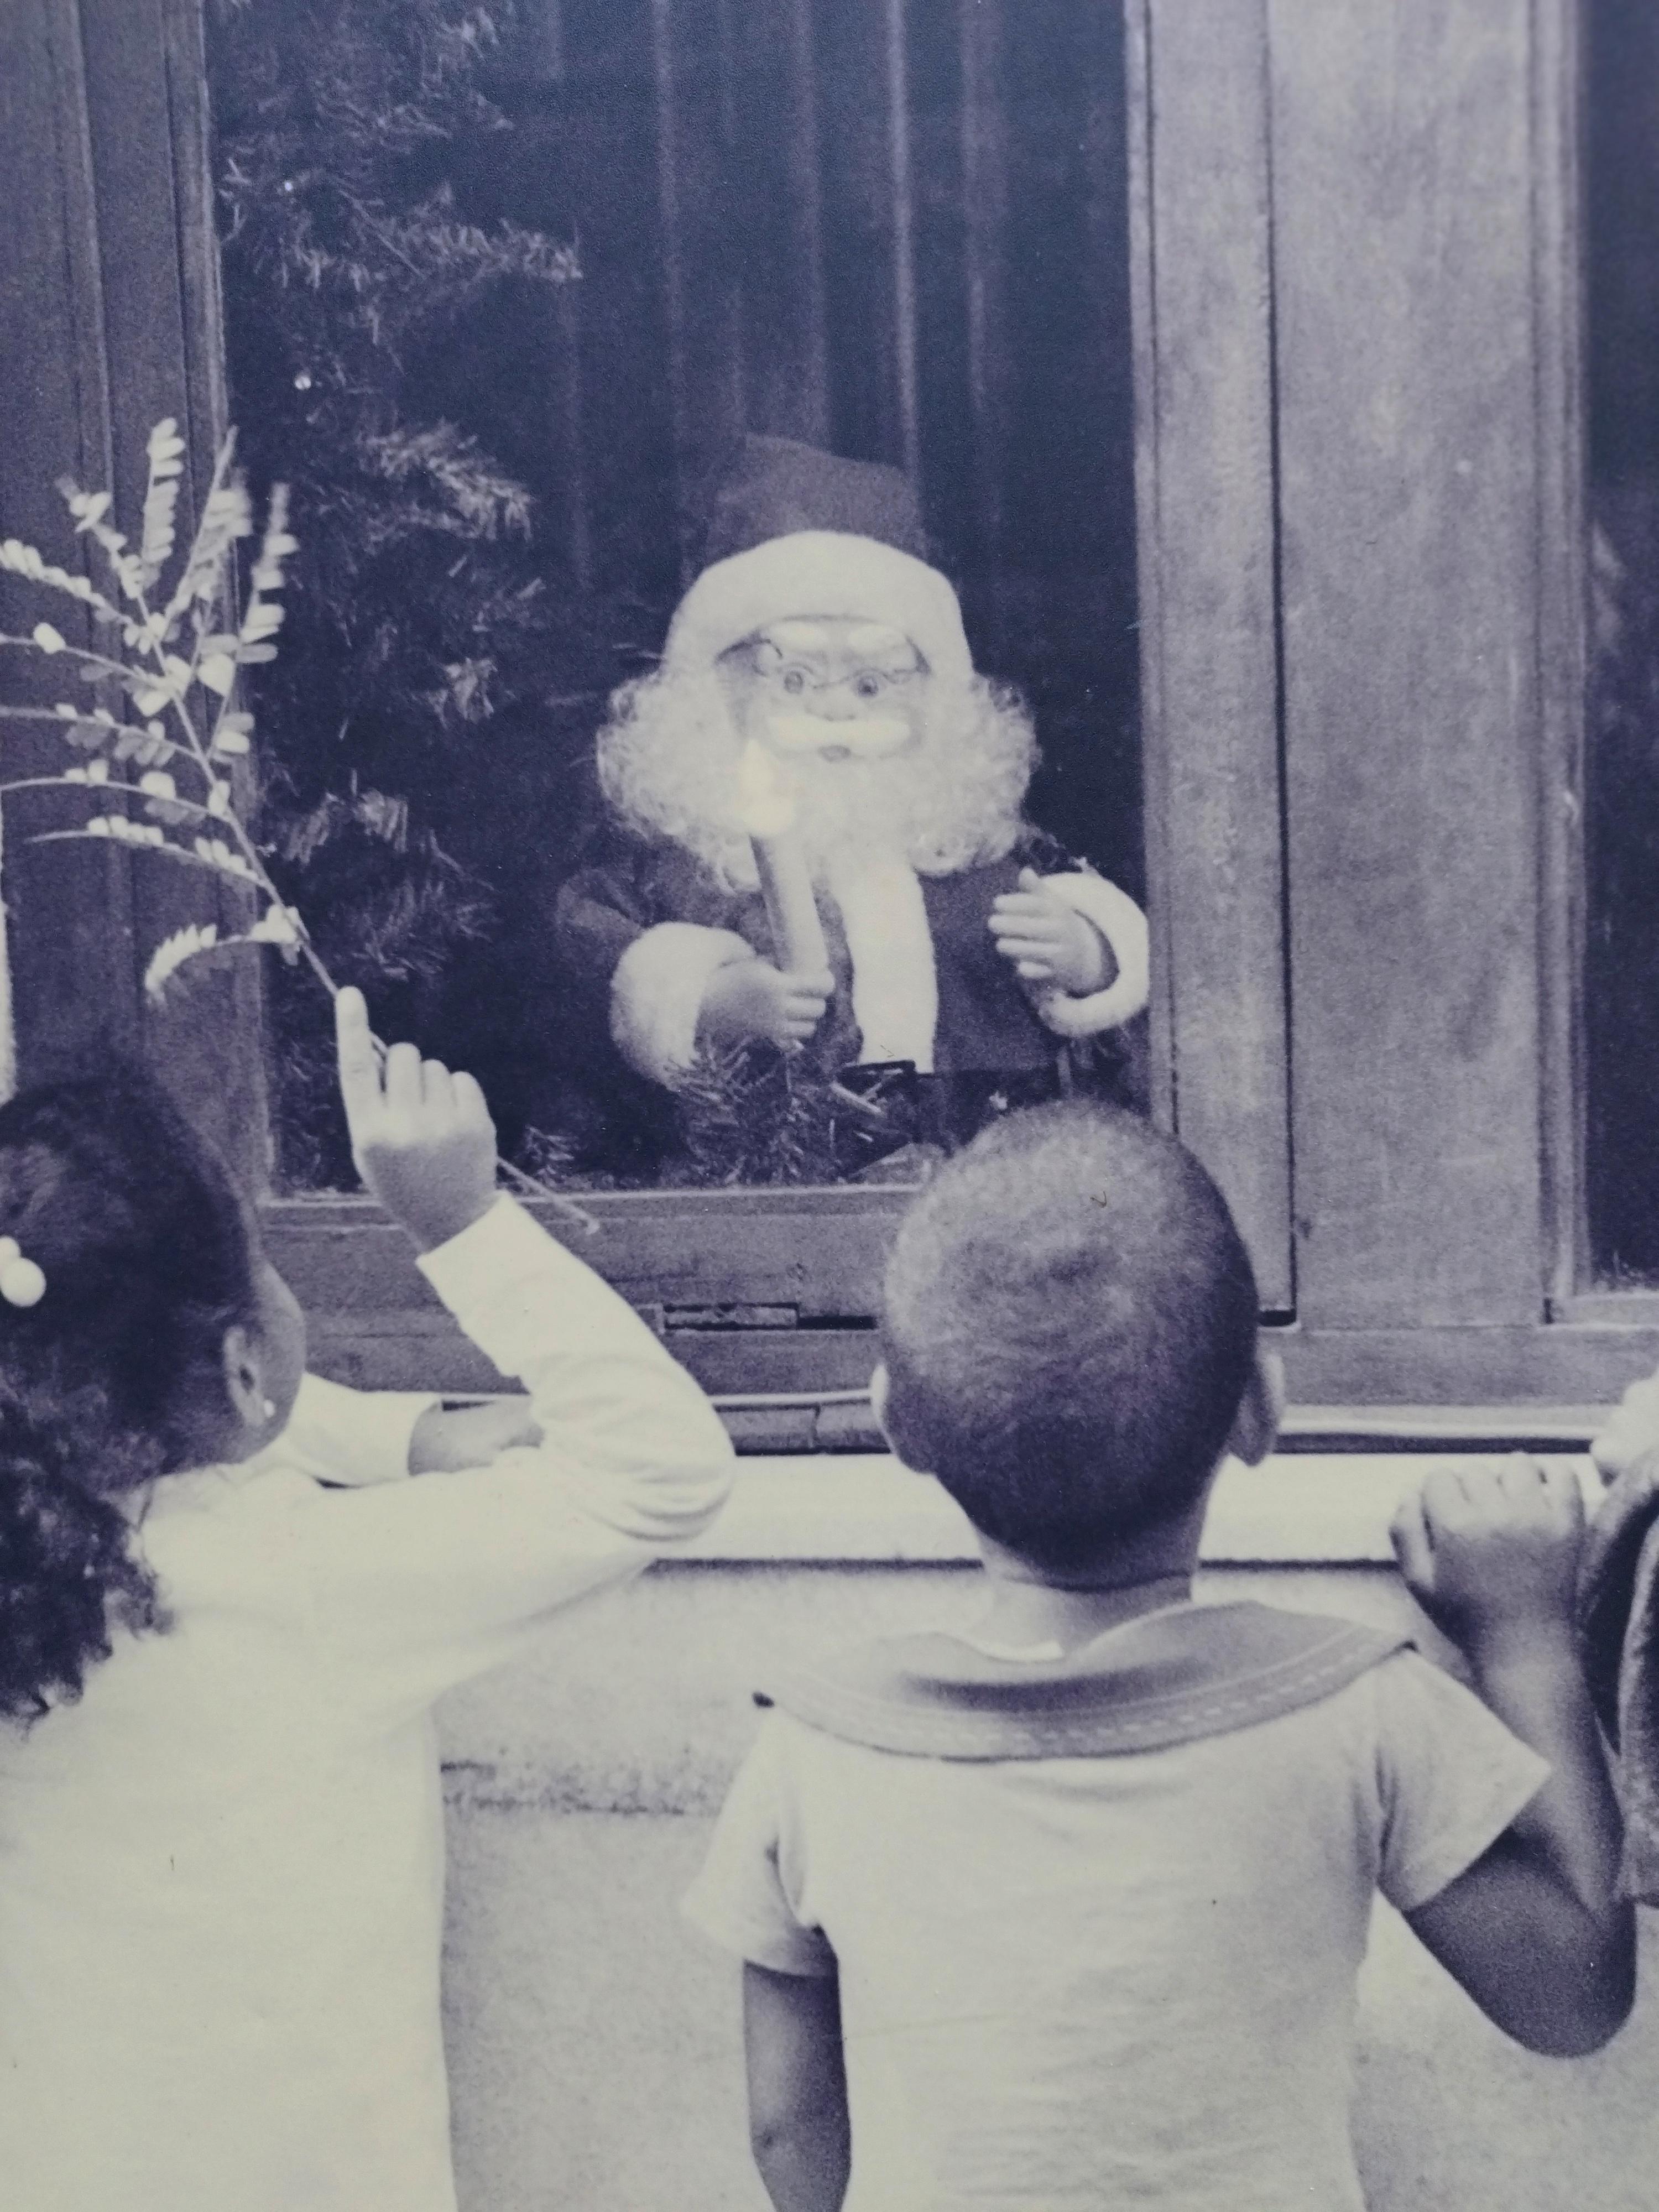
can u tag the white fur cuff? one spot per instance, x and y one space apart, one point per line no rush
1123 925
656 995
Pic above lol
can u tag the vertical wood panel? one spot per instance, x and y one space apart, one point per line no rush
1205 487
904 256
111 309
1562 652
985 215
70 934
1402 155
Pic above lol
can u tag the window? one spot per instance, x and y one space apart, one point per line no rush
894 234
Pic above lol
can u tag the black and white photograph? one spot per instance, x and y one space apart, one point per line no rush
829 1105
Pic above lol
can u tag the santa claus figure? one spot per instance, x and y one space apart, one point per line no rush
815 840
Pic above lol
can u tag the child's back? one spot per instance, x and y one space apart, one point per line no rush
221 1833
221 1876
1091 1981
1079 1902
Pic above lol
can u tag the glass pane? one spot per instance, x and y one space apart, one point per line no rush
512 318
1622 824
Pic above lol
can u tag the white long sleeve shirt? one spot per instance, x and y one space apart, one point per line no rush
221 1872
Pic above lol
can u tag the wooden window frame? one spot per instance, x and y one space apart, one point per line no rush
1366 895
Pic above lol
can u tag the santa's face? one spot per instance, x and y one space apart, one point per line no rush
828 690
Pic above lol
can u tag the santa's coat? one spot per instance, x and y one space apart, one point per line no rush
644 928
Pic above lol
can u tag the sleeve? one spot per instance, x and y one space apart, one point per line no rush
350 1437
597 914
1123 926
651 969
438 1578
746 1899
1452 1778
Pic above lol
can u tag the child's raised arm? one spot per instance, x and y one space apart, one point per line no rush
1534 1930
421 1583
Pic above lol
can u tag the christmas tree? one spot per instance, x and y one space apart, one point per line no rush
428 621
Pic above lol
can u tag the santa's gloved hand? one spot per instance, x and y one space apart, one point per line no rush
751 999
1046 941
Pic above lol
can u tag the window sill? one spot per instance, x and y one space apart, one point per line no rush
1301 1509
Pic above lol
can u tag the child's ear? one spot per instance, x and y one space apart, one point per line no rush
1256 1425
244 1370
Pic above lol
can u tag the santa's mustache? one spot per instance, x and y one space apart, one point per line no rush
870 737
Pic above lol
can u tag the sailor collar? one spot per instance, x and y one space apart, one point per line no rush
1172 1676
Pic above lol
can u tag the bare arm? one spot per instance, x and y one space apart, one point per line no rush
1534 1930
798 2128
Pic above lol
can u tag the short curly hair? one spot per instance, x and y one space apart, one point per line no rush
148 1257
1069 1326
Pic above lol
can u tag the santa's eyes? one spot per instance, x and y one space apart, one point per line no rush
865 684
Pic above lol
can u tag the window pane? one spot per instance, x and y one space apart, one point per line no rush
1622 826
888 232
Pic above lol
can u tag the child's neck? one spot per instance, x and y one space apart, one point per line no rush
1027 1608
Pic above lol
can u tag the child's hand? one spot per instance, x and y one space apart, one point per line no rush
422 1139
1490 1553
1045 940
751 999
1633 1434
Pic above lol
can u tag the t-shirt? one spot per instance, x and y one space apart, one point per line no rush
1114 1981
221 1872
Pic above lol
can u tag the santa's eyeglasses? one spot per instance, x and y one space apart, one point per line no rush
796 679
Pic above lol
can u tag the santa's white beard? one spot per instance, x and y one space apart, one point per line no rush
668 764
844 809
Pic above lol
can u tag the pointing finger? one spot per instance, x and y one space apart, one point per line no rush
359 1073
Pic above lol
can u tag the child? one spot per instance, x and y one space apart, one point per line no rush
1068 1912
221 1841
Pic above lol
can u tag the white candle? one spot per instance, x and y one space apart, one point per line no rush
768 813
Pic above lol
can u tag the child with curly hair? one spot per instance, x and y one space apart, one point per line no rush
221 1839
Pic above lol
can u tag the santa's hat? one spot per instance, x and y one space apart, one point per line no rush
793 531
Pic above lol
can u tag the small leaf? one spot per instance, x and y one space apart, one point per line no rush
229 741
170 956
87 507
276 925
48 639
216 672
159 784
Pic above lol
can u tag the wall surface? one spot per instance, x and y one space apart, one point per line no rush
594 2040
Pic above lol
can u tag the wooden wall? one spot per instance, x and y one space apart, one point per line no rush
108 307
